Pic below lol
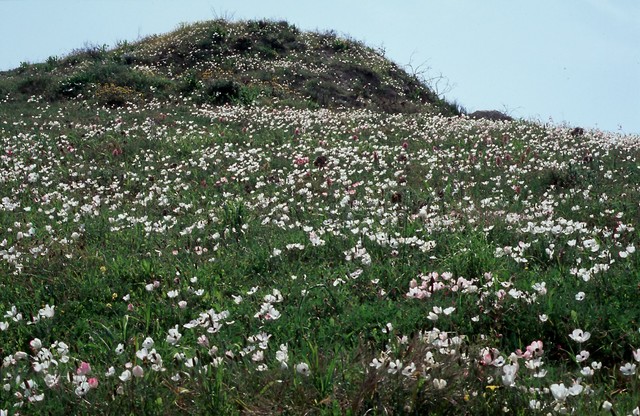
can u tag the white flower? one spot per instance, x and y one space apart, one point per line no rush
172 294
559 391
439 383
394 366
376 363
174 336
125 376
268 312
147 343
51 380
580 336
636 355
541 288
120 349
191 362
628 369
35 344
509 376
540 374
607 405
409 370
580 296
47 311
576 389
303 368
582 356
82 388
282 355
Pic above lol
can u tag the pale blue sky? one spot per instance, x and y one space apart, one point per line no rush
574 61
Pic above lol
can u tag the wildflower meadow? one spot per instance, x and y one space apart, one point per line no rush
260 251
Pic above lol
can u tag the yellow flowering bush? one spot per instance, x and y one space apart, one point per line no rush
206 74
115 95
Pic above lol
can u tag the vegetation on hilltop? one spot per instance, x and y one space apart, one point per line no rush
220 62
166 248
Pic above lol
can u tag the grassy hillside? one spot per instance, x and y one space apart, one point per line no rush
189 224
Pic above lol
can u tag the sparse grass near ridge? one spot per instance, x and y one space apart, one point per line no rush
163 255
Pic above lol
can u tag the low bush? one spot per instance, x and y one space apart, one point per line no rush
113 95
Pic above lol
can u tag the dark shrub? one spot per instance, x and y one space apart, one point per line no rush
221 91
243 44
89 52
340 45
490 115
113 73
35 85
324 92
214 37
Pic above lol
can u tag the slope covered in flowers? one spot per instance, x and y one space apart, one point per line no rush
163 257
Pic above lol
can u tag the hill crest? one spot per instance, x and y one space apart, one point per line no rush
219 62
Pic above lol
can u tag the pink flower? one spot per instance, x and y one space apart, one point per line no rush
137 371
203 340
84 369
535 348
93 382
301 160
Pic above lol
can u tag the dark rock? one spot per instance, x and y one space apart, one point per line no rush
490 115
